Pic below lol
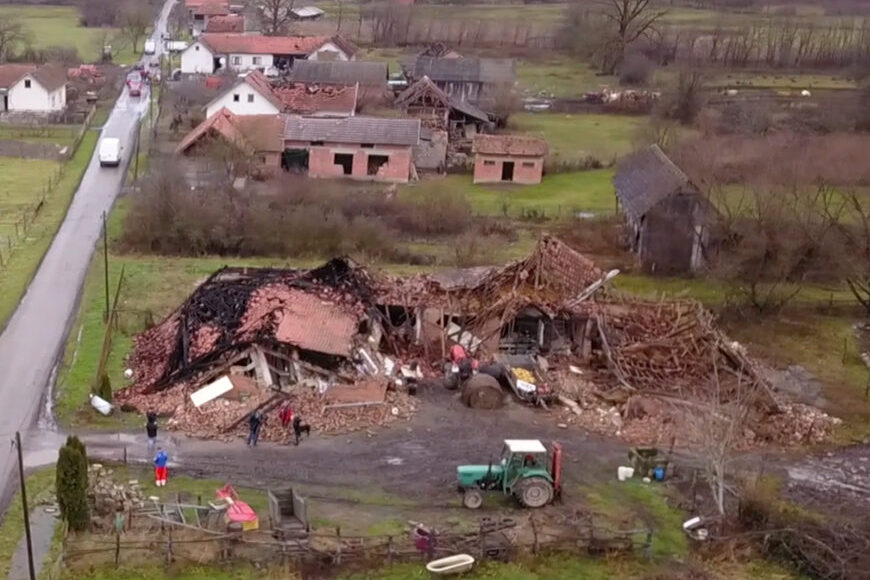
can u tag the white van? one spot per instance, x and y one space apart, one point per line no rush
110 152
150 46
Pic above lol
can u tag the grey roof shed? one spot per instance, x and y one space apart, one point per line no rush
480 70
646 178
366 73
353 130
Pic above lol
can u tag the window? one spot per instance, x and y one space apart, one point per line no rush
368 145
316 143
26 83
528 163
237 60
489 163
375 163
346 162
258 60
250 97
236 98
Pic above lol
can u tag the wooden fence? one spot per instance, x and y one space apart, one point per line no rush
172 541
24 221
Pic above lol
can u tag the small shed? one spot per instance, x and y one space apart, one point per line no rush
508 159
668 219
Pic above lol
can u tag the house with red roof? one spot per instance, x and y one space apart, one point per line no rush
244 52
257 140
508 159
200 12
253 94
32 88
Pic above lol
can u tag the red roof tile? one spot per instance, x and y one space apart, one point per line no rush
11 73
211 8
234 23
308 99
312 324
509 145
258 44
256 132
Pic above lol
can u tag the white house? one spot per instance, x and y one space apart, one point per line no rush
253 94
244 52
32 88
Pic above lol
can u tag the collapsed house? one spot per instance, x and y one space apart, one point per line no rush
339 337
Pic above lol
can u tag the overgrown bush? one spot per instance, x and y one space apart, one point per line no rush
291 217
71 484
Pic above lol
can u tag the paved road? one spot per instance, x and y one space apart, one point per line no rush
33 340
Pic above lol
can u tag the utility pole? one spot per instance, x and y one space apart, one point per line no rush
24 507
136 159
106 265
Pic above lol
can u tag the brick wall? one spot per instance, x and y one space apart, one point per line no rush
321 161
488 169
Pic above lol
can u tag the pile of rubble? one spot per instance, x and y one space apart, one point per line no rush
108 496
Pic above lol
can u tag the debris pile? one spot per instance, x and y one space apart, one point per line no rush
108 496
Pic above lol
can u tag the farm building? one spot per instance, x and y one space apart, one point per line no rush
437 110
365 148
254 139
508 159
226 24
667 217
32 88
200 14
465 79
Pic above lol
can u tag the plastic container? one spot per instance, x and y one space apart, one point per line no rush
659 473
100 404
623 473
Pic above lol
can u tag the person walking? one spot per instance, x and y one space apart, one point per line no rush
151 430
286 415
255 423
161 471
299 427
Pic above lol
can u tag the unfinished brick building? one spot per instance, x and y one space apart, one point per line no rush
364 148
508 159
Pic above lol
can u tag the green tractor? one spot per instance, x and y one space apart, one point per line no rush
527 471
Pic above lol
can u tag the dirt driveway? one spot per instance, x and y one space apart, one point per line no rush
412 459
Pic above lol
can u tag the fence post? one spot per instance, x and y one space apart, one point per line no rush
389 549
338 543
534 534
169 546
117 548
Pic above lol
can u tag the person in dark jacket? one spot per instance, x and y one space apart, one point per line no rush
151 431
299 427
255 423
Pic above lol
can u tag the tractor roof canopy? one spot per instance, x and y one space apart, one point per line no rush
525 446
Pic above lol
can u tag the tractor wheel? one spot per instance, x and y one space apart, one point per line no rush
483 392
472 498
534 492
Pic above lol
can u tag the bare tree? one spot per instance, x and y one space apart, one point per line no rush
134 18
716 426
685 100
858 235
275 15
13 34
628 21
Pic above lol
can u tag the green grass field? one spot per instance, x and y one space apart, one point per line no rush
40 485
60 134
27 255
22 186
559 76
558 195
571 137
59 26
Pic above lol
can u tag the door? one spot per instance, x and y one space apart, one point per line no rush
507 171
5 103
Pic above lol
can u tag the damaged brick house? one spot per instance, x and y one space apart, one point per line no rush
668 219
364 148
508 159
227 143
371 77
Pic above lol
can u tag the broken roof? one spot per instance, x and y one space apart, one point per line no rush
51 77
425 93
313 100
234 23
646 178
353 130
479 70
251 132
259 44
340 72
520 145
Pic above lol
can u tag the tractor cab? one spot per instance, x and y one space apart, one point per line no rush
527 470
